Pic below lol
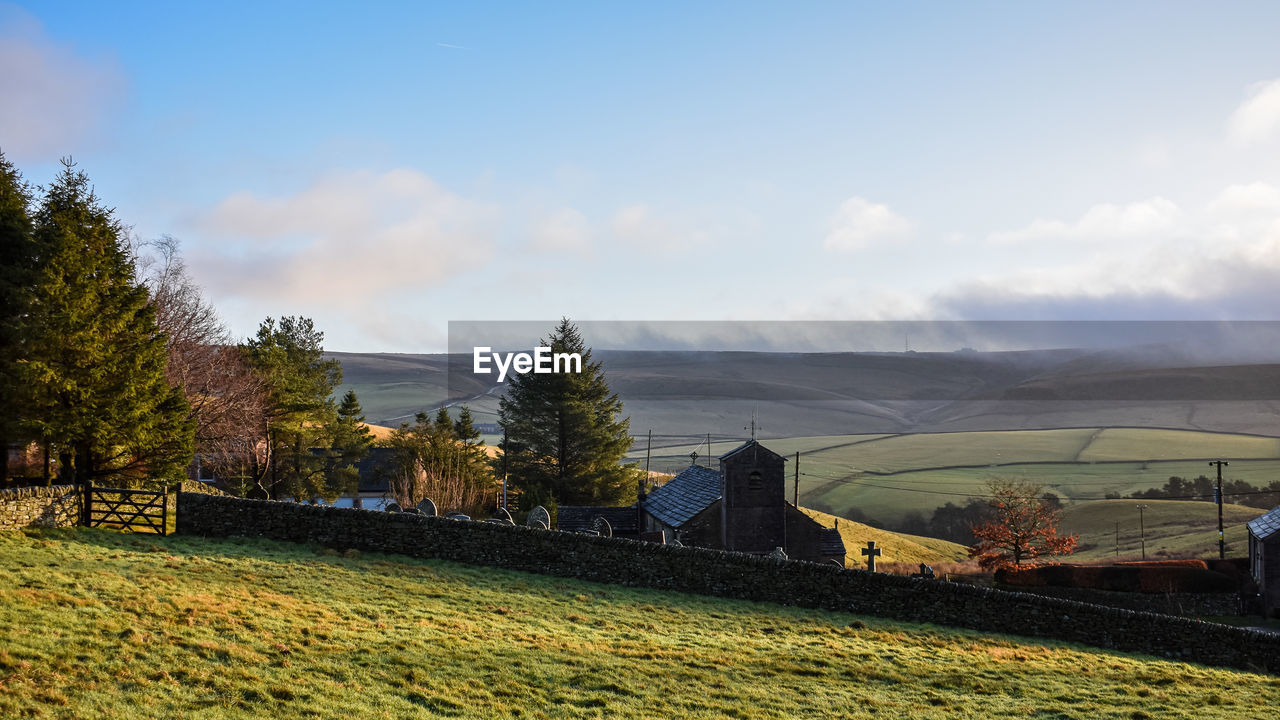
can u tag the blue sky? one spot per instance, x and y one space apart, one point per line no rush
384 168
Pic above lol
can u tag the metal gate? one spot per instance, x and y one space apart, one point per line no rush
134 510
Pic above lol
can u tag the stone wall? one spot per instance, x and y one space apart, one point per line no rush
733 575
1183 604
56 506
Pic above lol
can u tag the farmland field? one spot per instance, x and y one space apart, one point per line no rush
96 624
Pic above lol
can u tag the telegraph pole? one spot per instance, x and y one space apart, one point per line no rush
796 492
1142 530
1222 545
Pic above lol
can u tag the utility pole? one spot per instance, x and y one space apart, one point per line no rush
1142 530
1117 539
1222 545
796 493
504 469
708 451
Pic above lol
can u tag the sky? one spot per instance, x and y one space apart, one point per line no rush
385 168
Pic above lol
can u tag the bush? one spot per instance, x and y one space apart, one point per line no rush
1158 577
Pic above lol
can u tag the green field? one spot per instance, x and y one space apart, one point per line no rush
97 624
895 547
1172 528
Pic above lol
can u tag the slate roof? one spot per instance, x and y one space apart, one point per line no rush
574 518
684 496
830 543
1266 525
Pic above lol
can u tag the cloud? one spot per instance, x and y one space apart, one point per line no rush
562 231
859 223
1257 119
55 100
642 229
350 235
1101 223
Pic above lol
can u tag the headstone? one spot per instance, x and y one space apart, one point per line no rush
872 552
412 511
428 508
393 507
539 515
458 516
676 543
535 523
503 515
779 554
602 527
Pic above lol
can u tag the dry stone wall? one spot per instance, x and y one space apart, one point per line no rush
56 506
732 575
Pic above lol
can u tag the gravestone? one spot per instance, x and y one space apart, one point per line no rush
535 523
779 554
428 508
602 527
871 552
393 507
504 516
539 515
458 516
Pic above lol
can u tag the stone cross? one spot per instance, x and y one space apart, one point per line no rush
872 552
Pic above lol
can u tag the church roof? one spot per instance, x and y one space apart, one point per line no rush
684 496
746 446
576 518
1266 525
830 543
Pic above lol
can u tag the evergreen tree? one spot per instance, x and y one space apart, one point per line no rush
565 440
351 443
300 413
92 356
17 260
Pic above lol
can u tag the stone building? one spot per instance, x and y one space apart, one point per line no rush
740 507
1264 559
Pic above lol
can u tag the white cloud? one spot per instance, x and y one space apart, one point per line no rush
859 223
1254 197
350 235
562 231
1257 119
642 229
1101 223
55 100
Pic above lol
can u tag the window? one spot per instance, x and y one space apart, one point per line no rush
755 481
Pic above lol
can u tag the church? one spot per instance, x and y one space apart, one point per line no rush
740 507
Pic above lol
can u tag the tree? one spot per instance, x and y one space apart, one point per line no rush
17 261
289 356
227 398
565 440
92 357
1023 526
434 460
350 443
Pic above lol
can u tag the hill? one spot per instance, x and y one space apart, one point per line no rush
1173 528
98 624
692 393
896 547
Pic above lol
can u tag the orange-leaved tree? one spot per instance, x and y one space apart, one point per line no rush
1023 526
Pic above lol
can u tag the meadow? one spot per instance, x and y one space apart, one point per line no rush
98 624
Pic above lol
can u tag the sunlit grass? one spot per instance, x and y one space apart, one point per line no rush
96 624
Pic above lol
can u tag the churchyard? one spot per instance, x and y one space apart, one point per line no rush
99 624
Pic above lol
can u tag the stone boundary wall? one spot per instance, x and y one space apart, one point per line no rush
732 575
1183 604
56 506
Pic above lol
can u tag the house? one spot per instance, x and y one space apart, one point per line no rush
1264 559
740 507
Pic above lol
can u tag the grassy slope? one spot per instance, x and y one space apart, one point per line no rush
98 624
897 547
1172 527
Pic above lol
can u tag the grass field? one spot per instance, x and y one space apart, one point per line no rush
895 547
96 624
1172 528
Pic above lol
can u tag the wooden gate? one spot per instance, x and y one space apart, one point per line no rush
133 510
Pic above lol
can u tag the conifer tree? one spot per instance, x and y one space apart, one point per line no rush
92 355
351 443
17 258
565 439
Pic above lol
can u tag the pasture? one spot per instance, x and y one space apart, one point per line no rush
96 624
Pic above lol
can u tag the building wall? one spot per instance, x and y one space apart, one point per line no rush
804 538
754 511
1270 582
56 506
734 575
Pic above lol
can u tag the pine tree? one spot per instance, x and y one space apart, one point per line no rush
351 443
17 259
93 356
565 440
289 356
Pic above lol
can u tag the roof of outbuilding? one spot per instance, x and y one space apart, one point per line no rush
1266 525
684 496
576 518
830 543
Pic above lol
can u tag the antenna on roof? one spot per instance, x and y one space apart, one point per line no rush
752 427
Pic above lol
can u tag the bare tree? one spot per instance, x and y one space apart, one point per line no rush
228 399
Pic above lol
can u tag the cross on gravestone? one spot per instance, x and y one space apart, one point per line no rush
872 552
